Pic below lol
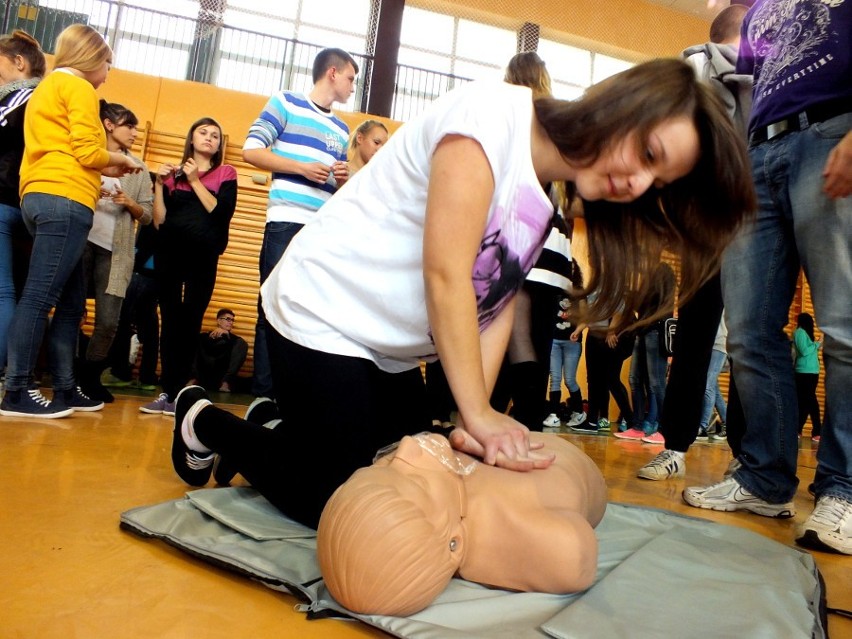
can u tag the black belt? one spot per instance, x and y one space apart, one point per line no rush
800 121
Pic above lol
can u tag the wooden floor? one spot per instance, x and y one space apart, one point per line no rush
66 570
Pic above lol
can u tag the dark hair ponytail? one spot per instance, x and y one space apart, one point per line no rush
117 114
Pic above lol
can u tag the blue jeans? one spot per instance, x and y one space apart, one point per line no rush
60 228
648 365
564 359
796 222
712 394
10 217
276 238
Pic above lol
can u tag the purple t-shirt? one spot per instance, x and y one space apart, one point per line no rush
799 53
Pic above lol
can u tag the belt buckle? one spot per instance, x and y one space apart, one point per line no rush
777 128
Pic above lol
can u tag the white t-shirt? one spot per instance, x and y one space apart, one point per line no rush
351 282
103 222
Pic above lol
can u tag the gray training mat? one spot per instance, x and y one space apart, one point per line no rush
660 574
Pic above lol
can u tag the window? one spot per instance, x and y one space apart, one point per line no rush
439 51
572 69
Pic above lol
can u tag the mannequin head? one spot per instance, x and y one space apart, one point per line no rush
390 538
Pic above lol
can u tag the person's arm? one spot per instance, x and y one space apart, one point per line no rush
458 200
838 169
267 160
137 197
159 208
207 199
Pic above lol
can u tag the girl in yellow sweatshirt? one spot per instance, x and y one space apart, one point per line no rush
64 156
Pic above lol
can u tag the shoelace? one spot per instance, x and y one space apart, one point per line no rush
38 398
82 394
664 459
829 511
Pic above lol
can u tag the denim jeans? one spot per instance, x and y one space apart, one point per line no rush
60 228
648 365
276 238
97 264
10 217
712 394
564 359
796 223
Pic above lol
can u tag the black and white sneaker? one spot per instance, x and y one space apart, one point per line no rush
77 400
31 403
191 466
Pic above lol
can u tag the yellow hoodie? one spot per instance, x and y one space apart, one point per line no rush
64 140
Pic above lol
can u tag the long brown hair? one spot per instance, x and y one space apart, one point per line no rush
694 217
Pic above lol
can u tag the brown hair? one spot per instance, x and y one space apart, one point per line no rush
81 47
328 58
726 26
21 43
527 69
694 217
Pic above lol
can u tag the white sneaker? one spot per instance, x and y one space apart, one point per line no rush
728 495
829 526
576 418
552 421
668 464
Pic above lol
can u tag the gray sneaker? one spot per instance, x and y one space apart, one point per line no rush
156 407
666 465
829 526
728 495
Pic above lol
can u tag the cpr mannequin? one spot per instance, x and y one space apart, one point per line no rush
391 537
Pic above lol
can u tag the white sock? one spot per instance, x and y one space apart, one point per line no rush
187 430
678 453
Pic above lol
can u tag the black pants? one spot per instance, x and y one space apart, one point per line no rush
603 372
139 308
185 283
806 384
336 413
697 324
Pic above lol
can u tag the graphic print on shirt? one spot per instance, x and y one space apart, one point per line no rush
512 242
777 29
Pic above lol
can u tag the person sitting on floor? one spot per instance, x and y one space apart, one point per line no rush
220 355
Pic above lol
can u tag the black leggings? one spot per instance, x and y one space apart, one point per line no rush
603 370
185 282
336 413
806 385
